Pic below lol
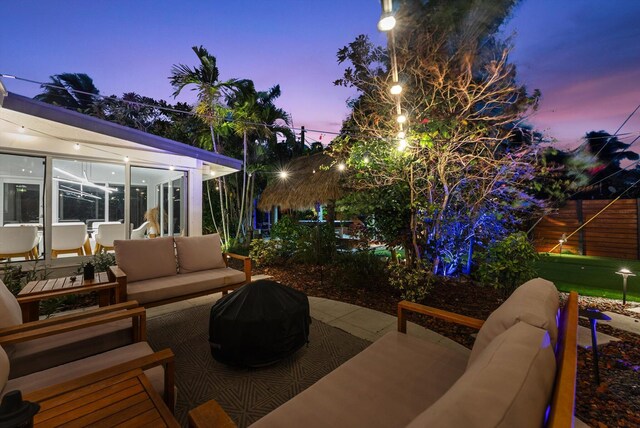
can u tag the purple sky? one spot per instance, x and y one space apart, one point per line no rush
583 54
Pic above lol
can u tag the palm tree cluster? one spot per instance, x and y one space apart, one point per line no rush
230 117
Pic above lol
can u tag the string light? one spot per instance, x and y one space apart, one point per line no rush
283 174
341 167
76 146
396 89
387 22
401 118
172 168
366 159
126 159
401 134
21 129
402 144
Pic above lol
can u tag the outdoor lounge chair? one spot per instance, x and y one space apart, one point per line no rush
40 345
18 241
69 238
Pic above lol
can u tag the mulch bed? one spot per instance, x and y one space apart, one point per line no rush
615 403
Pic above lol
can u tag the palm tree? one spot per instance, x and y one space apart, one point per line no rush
74 91
256 118
205 80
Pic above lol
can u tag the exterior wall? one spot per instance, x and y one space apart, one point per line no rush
613 233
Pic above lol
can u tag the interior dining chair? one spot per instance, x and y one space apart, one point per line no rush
69 238
18 241
140 232
107 233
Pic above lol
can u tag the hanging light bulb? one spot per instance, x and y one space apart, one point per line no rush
341 167
126 159
402 144
366 159
21 129
387 22
76 146
401 134
401 118
172 168
283 174
396 89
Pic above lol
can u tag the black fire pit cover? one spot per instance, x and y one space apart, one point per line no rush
259 324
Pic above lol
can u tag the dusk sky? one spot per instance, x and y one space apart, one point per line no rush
584 55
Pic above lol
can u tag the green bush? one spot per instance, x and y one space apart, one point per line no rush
102 261
266 252
15 279
508 263
316 245
414 282
362 269
288 232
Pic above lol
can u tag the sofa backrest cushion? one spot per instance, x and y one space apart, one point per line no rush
509 385
535 302
10 313
196 253
146 258
4 369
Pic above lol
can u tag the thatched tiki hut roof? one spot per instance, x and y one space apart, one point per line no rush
311 180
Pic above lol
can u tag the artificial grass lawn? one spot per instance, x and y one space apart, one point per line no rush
590 276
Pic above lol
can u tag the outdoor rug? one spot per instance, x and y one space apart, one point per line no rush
245 394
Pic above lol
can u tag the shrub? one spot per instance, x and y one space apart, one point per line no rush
102 261
288 231
508 263
414 282
266 252
15 279
362 269
316 245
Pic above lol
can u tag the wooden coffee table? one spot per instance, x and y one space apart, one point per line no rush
35 291
127 399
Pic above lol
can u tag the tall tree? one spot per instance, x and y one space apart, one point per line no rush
74 91
204 79
465 163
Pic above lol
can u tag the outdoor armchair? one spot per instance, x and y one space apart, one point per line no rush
39 345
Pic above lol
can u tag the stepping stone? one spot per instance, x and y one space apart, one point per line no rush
623 322
584 338
635 309
260 276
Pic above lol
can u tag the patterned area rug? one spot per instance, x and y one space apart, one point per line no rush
245 394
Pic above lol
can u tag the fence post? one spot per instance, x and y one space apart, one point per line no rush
582 244
638 225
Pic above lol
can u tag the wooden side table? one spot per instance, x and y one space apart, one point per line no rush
30 296
210 414
126 399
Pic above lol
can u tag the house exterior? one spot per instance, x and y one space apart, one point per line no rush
61 168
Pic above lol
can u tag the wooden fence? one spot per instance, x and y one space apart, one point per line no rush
614 233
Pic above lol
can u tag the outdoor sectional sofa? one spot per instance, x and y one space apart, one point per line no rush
514 376
165 270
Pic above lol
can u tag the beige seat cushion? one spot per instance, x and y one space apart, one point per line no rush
144 259
386 385
153 290
535 302
10 313
4 369
86 366
196 253
44 353
509 385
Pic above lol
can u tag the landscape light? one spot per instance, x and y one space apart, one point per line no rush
625 273
401 118
387 22
396 89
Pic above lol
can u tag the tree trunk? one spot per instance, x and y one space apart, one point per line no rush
331 212
244 186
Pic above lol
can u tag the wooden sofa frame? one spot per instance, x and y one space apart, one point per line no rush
563 398
117 275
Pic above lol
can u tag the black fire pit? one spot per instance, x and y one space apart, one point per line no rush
259 324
